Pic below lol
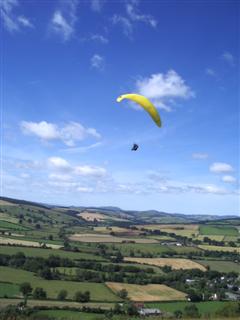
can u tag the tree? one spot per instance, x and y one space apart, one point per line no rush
123 294
39 293
25 288
191 311
131 309
178 314
62 295
82 296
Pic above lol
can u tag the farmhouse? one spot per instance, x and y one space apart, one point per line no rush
149 312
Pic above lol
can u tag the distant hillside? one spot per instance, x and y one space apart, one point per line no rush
147 216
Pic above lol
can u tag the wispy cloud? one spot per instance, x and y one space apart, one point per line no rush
11 21
163 89
133 16
228 58
210 72
99 38
84 148
97 62
200 156
96 5
64 19
220 167
69 134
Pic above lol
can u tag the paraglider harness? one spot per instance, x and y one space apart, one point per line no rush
134 147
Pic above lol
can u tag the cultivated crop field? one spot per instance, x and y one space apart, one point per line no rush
173 263
186 230
26 243
150 292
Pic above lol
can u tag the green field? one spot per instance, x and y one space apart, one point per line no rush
154 249
218 230
8 290
98 291
208 307
45 253
71 315
12 226
221 266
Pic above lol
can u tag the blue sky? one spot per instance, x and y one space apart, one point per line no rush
65 139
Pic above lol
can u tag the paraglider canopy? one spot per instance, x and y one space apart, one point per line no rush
145 104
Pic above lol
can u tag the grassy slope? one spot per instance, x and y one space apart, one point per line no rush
98 291
221 266
218 230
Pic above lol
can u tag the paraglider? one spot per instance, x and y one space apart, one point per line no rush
134 147
145 104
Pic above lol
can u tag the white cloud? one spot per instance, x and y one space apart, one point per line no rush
97 62
87 170
96 5
200 156
11 21
64 19
124 23
59 163
68 134
164 88
210 72
135 16
229 179
43 129
99 38
60 177
85 189
132 17
84 149
228 58
220 167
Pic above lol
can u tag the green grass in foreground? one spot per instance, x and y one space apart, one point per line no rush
98 291
71 315
220 266
44 253
8 290
218 230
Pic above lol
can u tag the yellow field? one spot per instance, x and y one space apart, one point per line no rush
149 292
212 237
91 237
218 248
91 216
179 229
171 262
27 243
6 203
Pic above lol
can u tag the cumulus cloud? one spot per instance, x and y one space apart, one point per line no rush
68 134
220 167
87 170
59 163
228 58
200 156
162 89
97 62
64 19
229 179
11 21
60 177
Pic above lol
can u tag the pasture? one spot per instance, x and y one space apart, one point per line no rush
12 226
149 292
98 291
220 265
218 230
104 238
187 230
4 240
219 248
45 253
9 290
171 262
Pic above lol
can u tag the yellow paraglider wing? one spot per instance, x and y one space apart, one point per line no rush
145 104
